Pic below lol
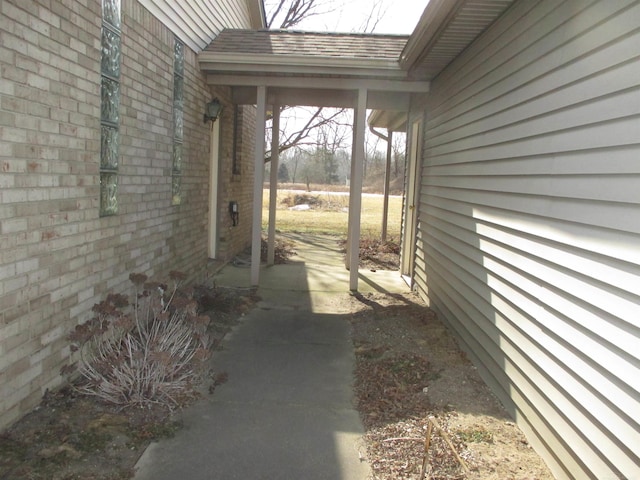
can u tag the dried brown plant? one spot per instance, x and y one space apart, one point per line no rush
151 350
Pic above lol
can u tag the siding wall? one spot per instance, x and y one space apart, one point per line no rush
529 230
58 257
198 22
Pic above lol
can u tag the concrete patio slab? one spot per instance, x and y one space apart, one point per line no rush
287 410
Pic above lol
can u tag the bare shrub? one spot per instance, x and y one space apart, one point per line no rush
283 250
376 254
302 199
150 350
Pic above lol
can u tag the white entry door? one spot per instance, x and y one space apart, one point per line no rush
411 202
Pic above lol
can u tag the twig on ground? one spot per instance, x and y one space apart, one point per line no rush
427 441
434 424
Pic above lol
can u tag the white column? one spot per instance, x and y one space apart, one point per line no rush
273 185
213 188
258 179
347 258
355 193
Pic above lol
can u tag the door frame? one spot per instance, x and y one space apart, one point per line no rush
410 214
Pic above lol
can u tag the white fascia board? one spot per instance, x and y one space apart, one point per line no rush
258 69
320 83
299 64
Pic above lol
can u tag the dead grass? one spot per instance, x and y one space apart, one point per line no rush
329 214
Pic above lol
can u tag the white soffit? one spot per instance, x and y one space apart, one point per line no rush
198 22
446 28
392 120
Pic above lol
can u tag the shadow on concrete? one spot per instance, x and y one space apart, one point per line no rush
287 410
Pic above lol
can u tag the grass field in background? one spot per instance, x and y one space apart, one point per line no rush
332 216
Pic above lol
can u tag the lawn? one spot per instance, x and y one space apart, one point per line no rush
328 214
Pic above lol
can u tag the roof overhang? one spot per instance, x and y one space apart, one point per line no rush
336 92
311 69
198 22
392 120
257 13
298 71
433 22
445 30
232 63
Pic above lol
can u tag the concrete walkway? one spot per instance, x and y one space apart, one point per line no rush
287 410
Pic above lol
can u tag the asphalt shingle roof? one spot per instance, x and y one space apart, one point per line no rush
286 42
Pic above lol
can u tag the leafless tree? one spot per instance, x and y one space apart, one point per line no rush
376 13
302 135
399 152
286 14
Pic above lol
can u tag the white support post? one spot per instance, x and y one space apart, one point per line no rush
347 258
214 166
355 193
273 185
258 180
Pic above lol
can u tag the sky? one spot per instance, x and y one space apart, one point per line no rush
396 16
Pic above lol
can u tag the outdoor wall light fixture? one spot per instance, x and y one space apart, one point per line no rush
212 110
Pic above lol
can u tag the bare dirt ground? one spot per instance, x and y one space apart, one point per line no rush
408 368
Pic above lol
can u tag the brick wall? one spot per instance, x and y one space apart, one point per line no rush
236 186
58 257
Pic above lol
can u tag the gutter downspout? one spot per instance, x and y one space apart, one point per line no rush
385 209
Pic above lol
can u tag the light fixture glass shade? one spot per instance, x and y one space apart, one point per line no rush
212 110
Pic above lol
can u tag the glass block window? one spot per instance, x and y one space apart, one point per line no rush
110 53
110 107
110 102
108 193
178 58
111 13
177 158
178 122
176 192
109 148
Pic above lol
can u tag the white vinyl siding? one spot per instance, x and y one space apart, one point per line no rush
529 224
198 22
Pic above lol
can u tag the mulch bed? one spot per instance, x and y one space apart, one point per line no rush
75 437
